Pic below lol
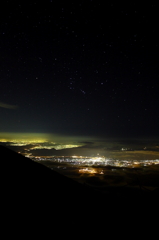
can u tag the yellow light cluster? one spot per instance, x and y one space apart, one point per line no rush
63 146
87 170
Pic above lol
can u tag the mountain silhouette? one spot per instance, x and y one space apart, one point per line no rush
37 200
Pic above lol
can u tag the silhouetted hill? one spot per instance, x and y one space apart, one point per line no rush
26 178
37 195
35 198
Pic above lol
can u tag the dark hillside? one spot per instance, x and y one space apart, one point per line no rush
35 198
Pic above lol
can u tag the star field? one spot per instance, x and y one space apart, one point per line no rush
79 67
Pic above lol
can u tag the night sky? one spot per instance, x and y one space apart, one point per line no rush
83 68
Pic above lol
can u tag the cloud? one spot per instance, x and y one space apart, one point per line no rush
9 106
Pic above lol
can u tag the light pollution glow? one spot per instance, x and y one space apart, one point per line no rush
84 146
23 137
103 166
39 140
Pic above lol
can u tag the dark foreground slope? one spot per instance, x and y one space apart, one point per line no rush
37 199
